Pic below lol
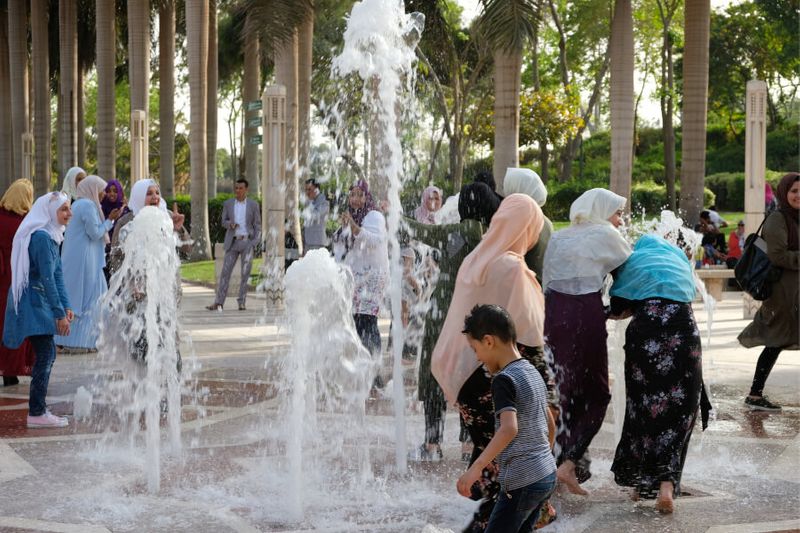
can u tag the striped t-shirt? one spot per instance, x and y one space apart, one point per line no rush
527 458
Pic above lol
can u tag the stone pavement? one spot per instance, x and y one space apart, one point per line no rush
232 472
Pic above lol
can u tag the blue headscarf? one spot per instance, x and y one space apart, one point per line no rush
656 269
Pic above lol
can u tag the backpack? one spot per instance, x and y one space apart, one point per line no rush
754 272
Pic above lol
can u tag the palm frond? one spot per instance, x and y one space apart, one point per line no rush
506 24
273 21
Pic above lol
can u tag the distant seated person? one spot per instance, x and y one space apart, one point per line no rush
713 240
735 245
717 220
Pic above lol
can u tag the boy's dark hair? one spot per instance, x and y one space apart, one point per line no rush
313 182
489 319
705 215
244 181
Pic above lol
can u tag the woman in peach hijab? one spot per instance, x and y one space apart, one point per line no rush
494 273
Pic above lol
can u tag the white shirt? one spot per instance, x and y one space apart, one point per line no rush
240 217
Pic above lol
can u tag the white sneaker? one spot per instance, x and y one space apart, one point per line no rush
47 420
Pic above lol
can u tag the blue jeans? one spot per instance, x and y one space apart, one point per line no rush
517 511
45 350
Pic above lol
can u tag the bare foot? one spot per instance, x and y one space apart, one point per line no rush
665 503
566 475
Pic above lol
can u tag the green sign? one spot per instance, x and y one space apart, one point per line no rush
256 139
254 122
254 105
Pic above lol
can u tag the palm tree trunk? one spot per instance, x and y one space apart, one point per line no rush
139 65
166 101
106 109
213 81
68 91
197 52
81 130
622 99
6 147
40 42
250 90
695 102
18 70
306 38
286 73
667 112
507 72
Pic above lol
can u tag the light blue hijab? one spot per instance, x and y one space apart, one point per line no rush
656 269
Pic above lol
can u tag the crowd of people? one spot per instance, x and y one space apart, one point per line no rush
511 317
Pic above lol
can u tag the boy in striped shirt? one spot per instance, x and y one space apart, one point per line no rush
524 427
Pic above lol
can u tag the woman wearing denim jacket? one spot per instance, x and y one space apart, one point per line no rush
38 306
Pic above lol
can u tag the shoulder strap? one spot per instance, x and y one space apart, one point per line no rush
758 231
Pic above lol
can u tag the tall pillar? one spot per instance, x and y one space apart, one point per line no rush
273 213
755 154
138 146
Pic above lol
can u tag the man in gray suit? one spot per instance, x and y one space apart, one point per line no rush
241 218
315 215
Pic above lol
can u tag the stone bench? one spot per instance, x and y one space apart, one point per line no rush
715 277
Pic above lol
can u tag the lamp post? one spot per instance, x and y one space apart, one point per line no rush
755 165
27 156
273 193
139 168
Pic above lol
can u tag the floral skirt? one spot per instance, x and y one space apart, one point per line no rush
663 379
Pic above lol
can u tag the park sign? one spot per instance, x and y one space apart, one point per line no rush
254 105
256 139
254 122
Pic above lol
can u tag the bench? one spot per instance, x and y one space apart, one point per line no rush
715 277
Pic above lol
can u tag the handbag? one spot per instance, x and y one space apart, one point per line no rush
754 272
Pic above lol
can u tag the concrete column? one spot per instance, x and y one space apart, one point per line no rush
755 154
138 147
27 156
273 193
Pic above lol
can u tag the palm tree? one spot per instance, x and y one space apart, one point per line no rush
250 90
40 50
197 56
506 24
622 99
213 82
166 101
18 67
106 44
286 73
6 164
68 91
697 18
304 69
139 63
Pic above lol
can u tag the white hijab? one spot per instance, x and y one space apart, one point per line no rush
90 188
139 195
69 188
525 181
42 216
595 205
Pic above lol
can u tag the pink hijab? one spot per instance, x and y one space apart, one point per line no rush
494 273
422 213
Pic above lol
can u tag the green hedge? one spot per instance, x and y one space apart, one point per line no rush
729 188
648 196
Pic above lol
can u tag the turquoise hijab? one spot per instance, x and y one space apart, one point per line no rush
656 269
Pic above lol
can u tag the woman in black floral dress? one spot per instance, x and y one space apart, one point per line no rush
663 369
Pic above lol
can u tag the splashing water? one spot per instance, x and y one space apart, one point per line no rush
138 334
379 48
327 369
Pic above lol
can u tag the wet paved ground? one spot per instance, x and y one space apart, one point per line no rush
232 474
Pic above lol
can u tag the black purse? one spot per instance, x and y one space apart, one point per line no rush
754 272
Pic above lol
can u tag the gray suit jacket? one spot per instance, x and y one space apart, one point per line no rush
252 224
316 214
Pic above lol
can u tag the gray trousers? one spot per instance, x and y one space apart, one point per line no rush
240 249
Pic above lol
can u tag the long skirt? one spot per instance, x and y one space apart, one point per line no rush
663 380
575 332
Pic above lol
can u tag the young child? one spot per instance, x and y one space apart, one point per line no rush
524 427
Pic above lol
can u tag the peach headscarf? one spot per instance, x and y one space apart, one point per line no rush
494 273
19 197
